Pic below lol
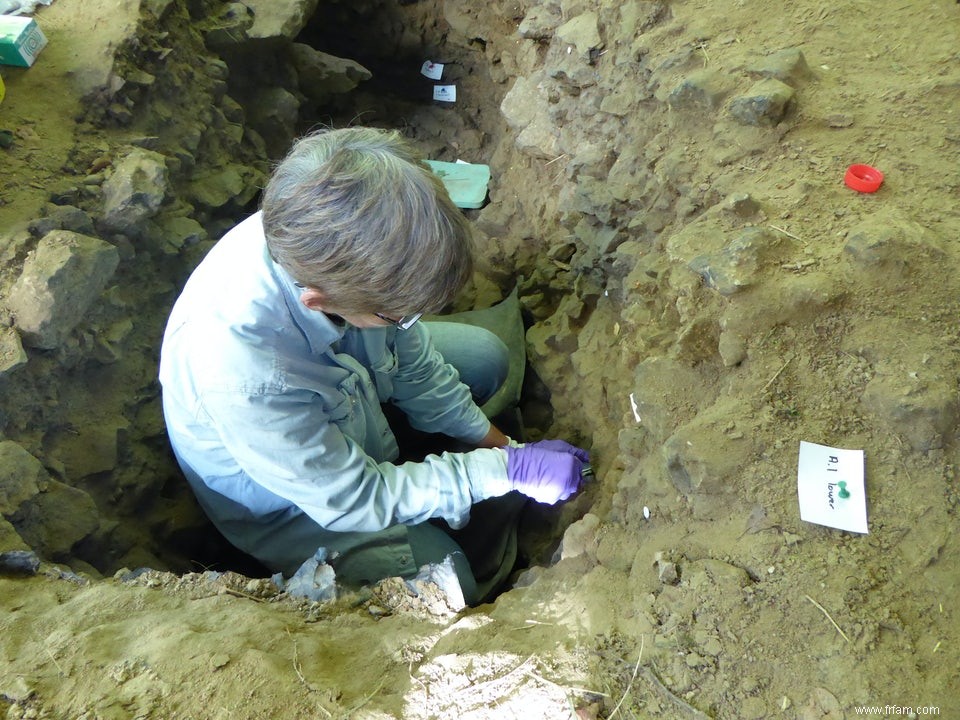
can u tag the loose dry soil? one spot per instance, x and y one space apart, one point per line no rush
704 293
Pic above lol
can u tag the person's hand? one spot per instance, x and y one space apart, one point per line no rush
546 475
561 446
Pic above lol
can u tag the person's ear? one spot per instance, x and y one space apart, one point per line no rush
313 299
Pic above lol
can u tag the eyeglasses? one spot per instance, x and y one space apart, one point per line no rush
403 323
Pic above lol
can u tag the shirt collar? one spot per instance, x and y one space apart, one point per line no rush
319 330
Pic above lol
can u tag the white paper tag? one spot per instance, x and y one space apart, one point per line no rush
830 484
445 93
432 70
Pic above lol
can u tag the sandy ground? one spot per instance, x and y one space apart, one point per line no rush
707 294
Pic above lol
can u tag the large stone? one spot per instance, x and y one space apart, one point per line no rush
788 66
701 90
321 75
540 22
274 114
59 283
525 108
10 540
218 186
63 217
21 476
12 354
887 244
89 449
55 520
739 263
582 32
230 26
135 191
279 18
921 407
765 103
701 457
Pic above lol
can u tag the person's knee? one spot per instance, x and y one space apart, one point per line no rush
497 360
480 356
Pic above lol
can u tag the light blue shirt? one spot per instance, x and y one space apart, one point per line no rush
272 405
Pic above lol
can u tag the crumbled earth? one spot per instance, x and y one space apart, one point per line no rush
703 294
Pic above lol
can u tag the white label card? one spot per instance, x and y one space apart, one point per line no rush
830 484
445 93
432 70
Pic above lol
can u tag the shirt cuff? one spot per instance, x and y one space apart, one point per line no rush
487 473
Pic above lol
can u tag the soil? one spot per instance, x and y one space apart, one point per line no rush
704 293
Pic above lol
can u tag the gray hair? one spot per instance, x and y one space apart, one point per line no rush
355 214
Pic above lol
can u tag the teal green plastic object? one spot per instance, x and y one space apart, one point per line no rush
465 182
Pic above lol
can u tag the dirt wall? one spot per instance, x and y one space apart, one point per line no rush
705 292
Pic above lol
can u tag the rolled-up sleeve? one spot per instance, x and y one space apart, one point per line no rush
287 445
429 390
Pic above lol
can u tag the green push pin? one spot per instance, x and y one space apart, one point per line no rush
844 493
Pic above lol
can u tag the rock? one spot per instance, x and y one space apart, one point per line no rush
228 27
580 537
739 263
889 243
766 103
753 708
788 66
59 283
19 562
839 120
667 572
15 689
279 18
63 217
274 114
179 231
90 448
732 347
582 32
56 519
525 108
741 205
616 549
22 476
601 240
700 457
821 705
573 72
623 99
217 187
701 90
921 408
9 537
321 75
12 354
13 242
540 22
135 191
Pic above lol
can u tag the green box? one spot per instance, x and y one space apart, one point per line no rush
21 40
466 183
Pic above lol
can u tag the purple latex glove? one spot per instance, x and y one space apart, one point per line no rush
547 476
561 446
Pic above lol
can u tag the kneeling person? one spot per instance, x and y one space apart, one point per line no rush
298 326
